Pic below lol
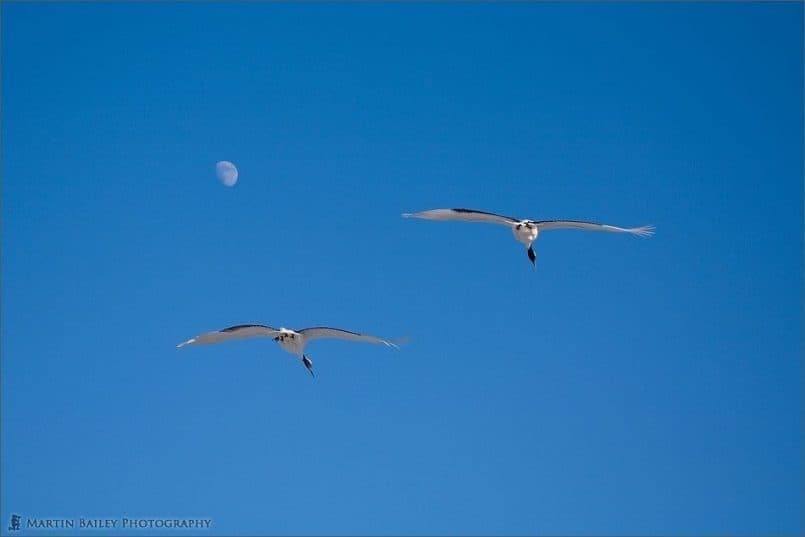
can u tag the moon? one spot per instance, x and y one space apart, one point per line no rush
227 173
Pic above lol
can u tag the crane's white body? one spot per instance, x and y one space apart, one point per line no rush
525 232
291 341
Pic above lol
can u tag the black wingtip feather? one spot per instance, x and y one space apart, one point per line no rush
239 326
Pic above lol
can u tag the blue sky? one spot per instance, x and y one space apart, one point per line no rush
625 386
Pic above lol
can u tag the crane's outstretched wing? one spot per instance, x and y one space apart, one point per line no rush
240 331
464 215
324 332
642 231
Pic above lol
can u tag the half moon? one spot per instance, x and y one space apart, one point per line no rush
227 173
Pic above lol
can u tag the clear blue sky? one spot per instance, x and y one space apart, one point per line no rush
625 386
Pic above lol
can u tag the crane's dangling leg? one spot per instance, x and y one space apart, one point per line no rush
308 364
532 256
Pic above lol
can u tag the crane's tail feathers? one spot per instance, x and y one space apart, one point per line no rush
642 231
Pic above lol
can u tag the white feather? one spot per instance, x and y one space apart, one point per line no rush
232 333
463 215
323 332
643 231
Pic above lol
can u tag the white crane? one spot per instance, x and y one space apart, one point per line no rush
293 341
525 231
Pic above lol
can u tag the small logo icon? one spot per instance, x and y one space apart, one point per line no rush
15 523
